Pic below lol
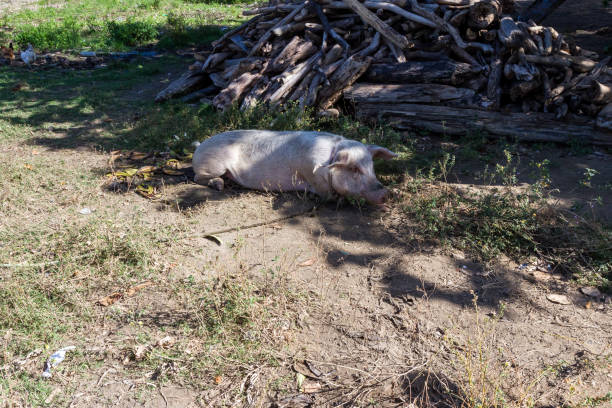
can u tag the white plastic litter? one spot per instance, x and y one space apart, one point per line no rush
55 359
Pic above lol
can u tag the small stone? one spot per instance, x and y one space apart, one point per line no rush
590 291
559 299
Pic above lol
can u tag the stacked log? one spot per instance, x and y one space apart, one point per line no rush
383 56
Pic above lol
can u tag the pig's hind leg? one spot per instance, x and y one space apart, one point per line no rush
211 177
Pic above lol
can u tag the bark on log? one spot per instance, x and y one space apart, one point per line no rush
580 64
534 127
604 118
234 92
189 81
509 33
383 28
407 93
292 78
442 71
295 51
282 22
372 47
254 96
601 93
494 85
343 77
215 59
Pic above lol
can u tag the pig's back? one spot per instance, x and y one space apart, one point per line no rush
268 159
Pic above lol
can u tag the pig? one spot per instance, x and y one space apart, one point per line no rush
322 163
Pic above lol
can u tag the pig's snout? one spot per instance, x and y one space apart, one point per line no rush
376 194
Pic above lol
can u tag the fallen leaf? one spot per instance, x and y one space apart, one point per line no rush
218 379
110 299
172 172
35 152
299 379
140 352
139 155
311 388
560 299
165 342
134 289
588 304
28 166
214 239
147 191
147 169
173 163
107 120
308 262
130 172
592 292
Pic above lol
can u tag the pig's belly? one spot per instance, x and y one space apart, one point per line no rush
270 182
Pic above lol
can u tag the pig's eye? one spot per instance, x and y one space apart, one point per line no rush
356 170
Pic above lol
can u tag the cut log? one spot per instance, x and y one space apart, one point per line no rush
294 52
601 93
328 29
372 47
254 96
580 64
197 95
188 82
268 33
442 71
440 22
343 77
604 118
509 33
292 78
484 13
214 59
383 28
234 92
407 93
313 89
534 127
333 55
494 85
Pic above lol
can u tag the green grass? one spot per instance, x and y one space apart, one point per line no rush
118 25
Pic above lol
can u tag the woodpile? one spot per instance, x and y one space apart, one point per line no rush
465 63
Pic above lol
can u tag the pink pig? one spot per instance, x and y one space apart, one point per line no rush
319 162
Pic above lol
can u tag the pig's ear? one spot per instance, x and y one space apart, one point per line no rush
378 152
341 159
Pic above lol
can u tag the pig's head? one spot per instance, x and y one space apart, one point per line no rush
351 171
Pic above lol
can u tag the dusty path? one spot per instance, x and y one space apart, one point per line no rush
376 313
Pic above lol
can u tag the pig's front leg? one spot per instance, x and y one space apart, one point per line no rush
215 182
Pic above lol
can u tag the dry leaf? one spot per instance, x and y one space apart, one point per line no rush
147 169
140 352
308 262
28 166
218 379
166 342
311 388
588 304
172 172
139 155
559 299
35 152
110 299
132 291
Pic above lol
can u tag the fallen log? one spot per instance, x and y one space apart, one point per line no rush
533 127
442 71
383 28
406 93
343 77
234 92
188 82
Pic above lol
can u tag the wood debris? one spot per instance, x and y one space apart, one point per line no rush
453 58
